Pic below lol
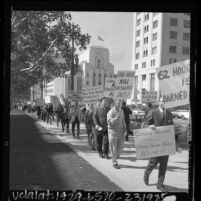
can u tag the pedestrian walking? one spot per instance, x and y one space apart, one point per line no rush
49 113
38 110
75 119
65 119
158 117
127 113
116 130
90 128
100 122
58 112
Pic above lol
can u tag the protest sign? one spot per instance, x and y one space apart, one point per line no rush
61 99
92 94
74 96
151 143
109 87
174 81
124 84
149 96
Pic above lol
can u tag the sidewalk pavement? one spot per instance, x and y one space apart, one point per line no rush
130 177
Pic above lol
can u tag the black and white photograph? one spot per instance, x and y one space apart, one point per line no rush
100 101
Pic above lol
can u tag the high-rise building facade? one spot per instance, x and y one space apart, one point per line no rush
158 39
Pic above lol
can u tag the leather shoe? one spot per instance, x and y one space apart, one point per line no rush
116 166
162 188
146 179
100 155
106 156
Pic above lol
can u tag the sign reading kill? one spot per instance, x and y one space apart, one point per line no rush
151 143
174 83
124 85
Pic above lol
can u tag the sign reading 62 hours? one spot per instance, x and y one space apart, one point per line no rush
174 83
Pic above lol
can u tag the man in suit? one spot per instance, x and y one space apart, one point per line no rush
158 117
100 122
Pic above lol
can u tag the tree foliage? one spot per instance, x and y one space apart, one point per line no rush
37 38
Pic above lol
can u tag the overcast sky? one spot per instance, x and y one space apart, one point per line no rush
115 28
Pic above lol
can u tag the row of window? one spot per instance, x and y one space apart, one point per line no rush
145 53
155 23
173 22
172 34
171 60
144 77
144 64
172 49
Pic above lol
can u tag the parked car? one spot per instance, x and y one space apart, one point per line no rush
183 114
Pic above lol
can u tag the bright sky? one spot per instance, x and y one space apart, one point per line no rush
115 28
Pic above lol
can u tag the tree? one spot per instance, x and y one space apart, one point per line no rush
37 38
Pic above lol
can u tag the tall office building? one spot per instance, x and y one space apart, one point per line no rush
158 39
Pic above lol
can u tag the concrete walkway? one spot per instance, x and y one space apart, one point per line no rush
130 177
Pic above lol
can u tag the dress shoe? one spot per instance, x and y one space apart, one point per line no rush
116 166
162 188
146 179
106 156
100 155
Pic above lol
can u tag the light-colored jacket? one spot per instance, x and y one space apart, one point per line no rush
116 122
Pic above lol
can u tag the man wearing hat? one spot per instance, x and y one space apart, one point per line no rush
158 117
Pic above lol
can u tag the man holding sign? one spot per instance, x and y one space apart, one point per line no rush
158 117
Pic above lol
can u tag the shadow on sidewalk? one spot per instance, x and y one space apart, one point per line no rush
32 157
171 188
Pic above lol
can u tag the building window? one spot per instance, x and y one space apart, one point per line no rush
99 82
173 35
146 40
155 24
87 83
138 44
98 63
173 22
144 65
171 60
137 56
154 37
153 51
152 81
94 79
138 33
87 74
186 24
143 77
172 49
153 62
138 22
186 50
146 17
136 66
145 53
186 36
146 28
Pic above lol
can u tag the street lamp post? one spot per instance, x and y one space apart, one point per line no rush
72 72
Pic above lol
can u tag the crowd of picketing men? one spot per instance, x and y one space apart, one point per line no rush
107 127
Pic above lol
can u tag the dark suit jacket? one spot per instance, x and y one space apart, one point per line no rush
154 117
